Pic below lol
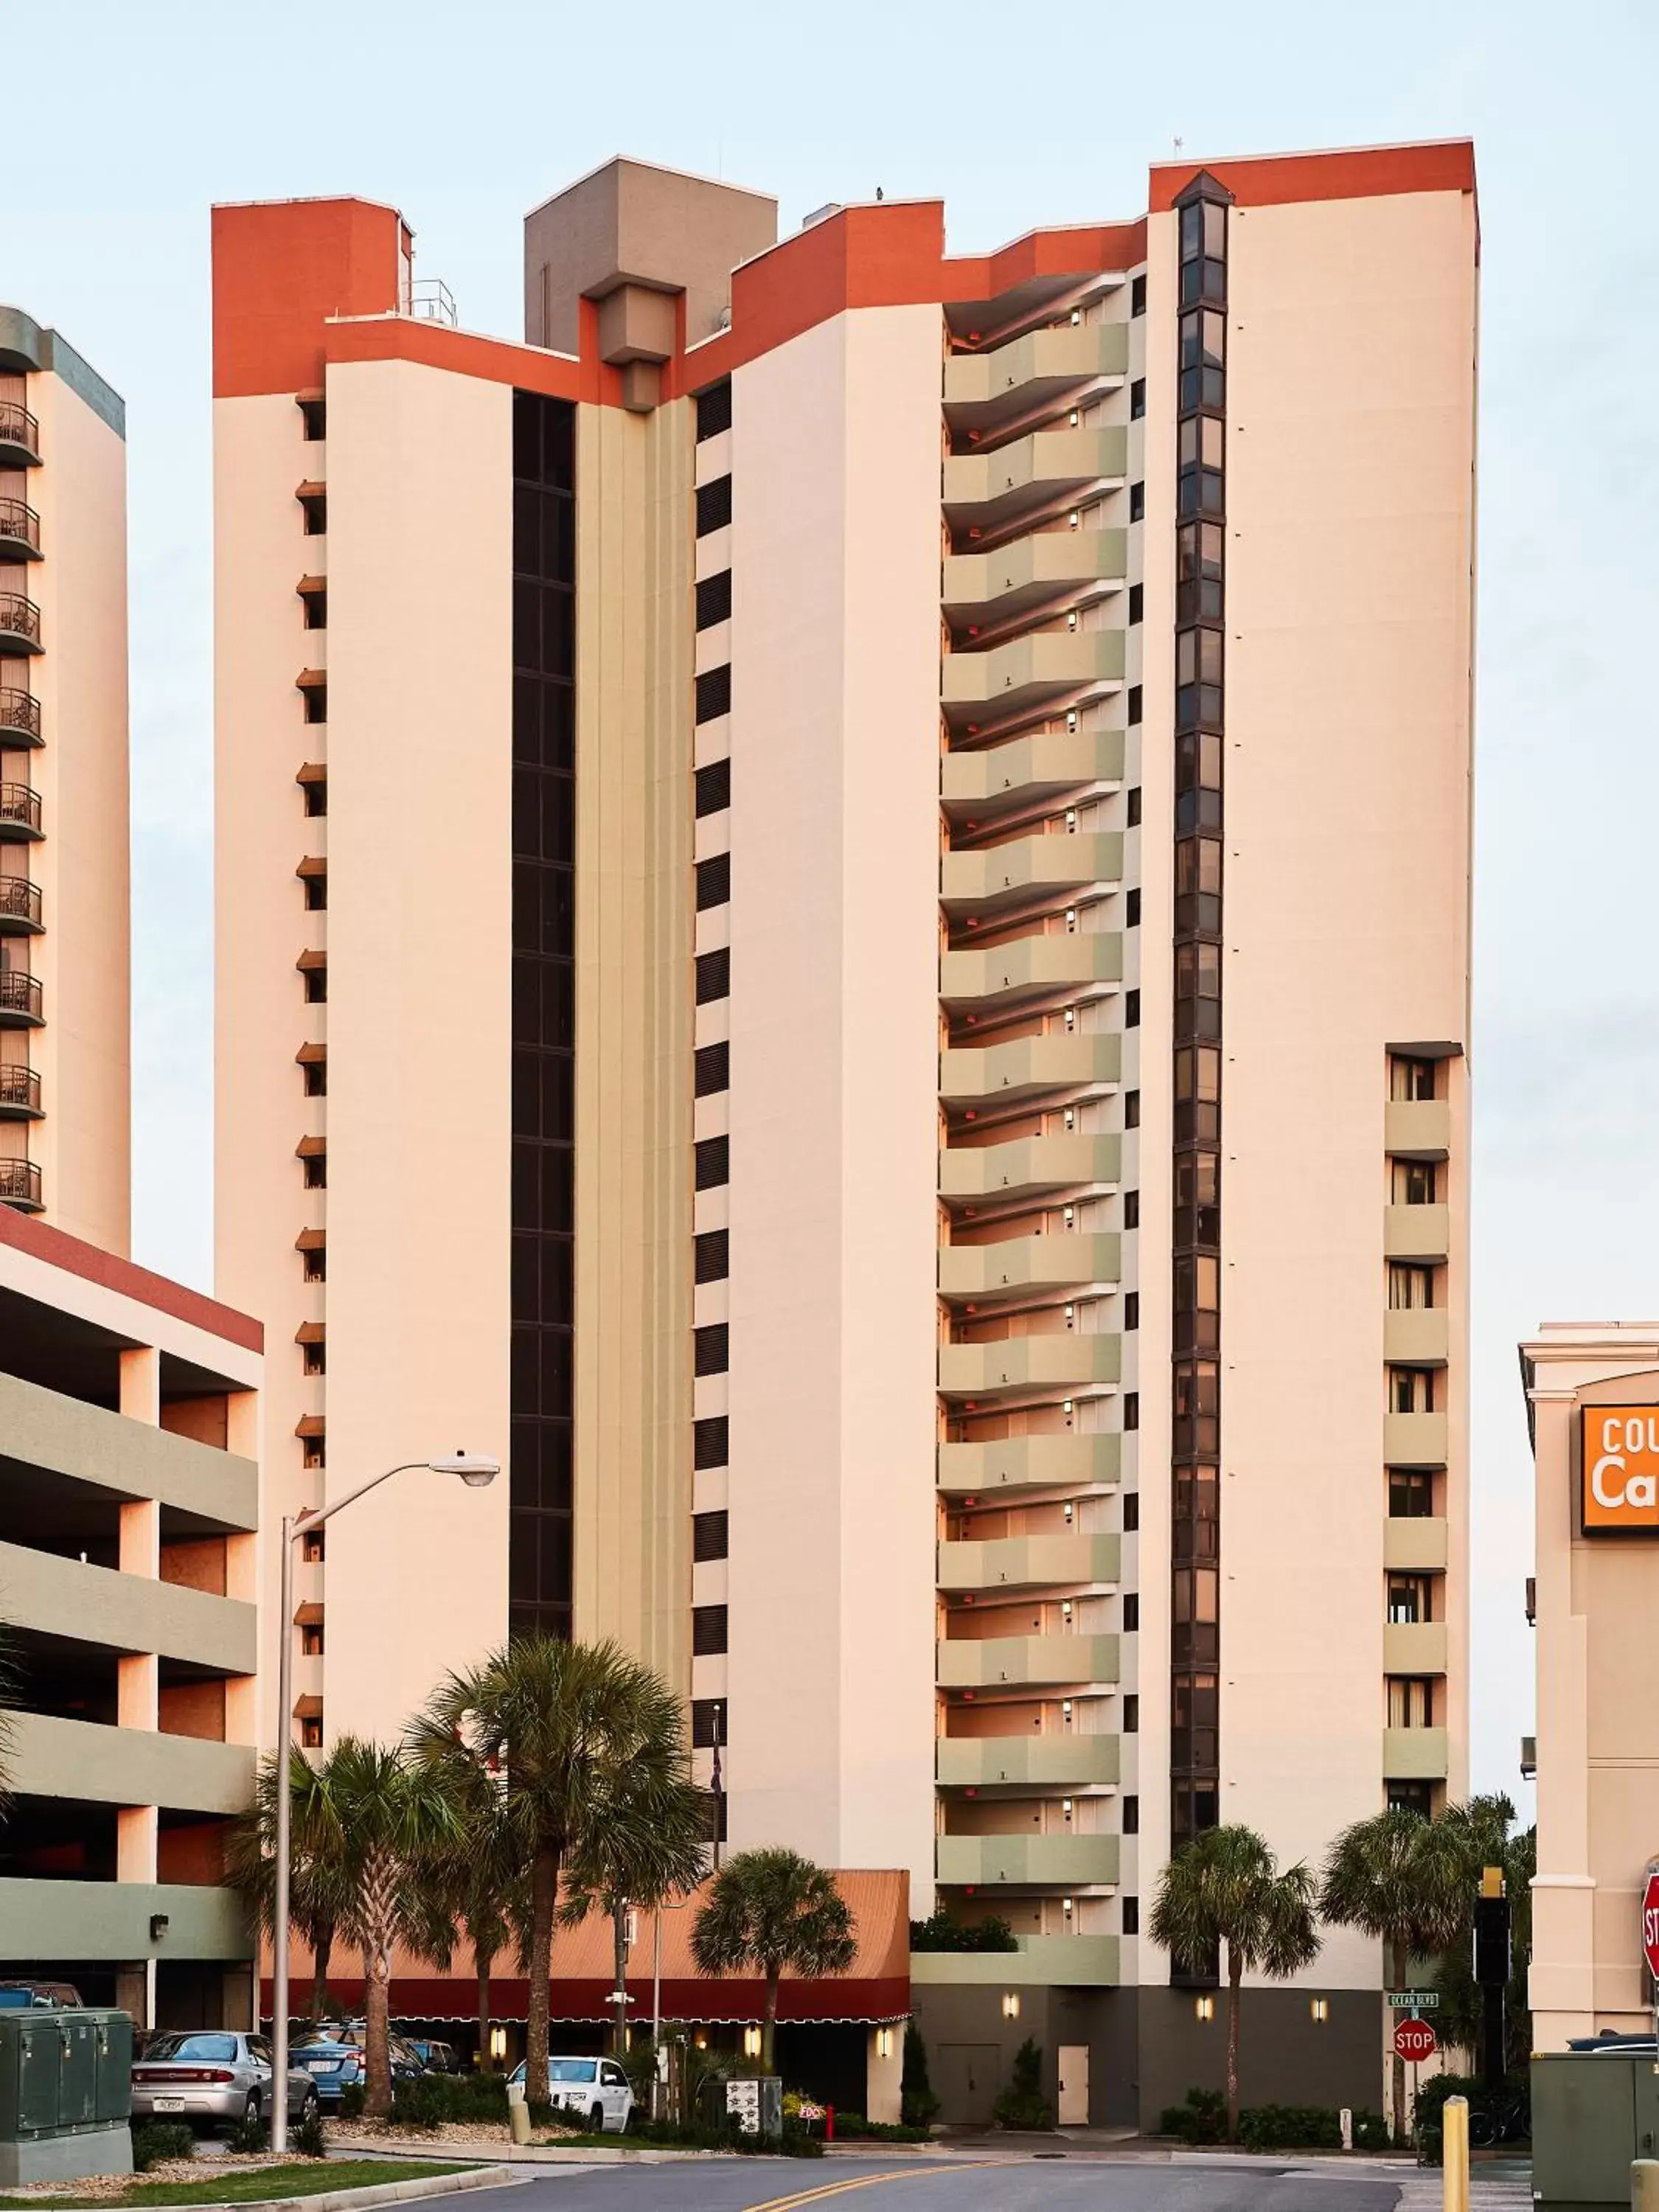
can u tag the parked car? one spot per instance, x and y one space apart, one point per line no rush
211 2075
20 1996
595 2088
406 2059
436 2058
330 2065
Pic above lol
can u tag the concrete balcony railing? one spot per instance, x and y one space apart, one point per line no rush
1026 869
1031 968
1416 1336
987 1662
1072 1962
112 1919
1029 1263
125 1613
129 1767
1022 1365
1421 1233
1075 354
1050 762
90 1445
1420 1755
1416 1545
1029 1166
1045 1762
992 491
1018 677
1417 1128
1414 1440
1032 571
1016 1465
1065 1861
1030 1563
1414 1647
1029 1065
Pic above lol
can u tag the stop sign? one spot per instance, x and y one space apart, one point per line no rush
1415 2039
1651 1924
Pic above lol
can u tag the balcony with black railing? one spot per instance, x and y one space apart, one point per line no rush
22 1005
19 718
19 436
20 814
19 1185
19 908
19 531
20 1094
20 624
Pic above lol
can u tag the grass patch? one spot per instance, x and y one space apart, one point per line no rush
253 2185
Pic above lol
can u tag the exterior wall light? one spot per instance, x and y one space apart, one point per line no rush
1320 2008
1011 2004
1204 2008
751 2043
883 2042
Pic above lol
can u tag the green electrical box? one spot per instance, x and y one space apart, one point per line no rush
65 2094
1593 2112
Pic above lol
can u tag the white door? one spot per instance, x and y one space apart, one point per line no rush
1073 2110
615 2091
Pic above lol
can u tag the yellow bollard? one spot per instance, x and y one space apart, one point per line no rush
1644 2184
1455 2180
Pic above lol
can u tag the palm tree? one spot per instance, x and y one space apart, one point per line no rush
372 1818
314 1902
1226 1887
1407 1882
558 1723
771 1910
472 1885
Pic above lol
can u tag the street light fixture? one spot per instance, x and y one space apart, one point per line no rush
475 1472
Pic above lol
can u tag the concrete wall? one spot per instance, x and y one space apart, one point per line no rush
128 1459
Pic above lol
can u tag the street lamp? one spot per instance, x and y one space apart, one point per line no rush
475 1471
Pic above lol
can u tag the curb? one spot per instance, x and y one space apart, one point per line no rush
506 2156
382 2192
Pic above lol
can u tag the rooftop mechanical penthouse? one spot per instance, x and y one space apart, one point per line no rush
843 922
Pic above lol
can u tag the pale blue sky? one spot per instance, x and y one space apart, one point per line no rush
126 122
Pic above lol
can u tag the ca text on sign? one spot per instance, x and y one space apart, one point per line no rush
1621 1468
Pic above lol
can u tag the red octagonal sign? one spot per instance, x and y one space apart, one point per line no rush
1415 2039
1651 1924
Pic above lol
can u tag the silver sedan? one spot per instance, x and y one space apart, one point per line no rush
211 2073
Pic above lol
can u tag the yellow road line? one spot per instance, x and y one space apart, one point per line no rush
857 2181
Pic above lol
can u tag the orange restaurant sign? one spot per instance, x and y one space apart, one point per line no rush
1621 1469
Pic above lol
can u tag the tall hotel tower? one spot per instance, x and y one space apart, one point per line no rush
844 932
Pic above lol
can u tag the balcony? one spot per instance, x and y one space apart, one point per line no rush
1414 1440
19 908
987 1662
20 1094
1003 877
1026 771
20 1186
1417 1546
1059 1562
1010 1072
19 436
1417 1128
1063 1364
1010 682
1420 1233
1043 568
1416 1336
125 1613
1047 1762
20 814
1415 1754
129 1767
19 718
19 625
1074 1962
19 531
983 390
1063 1861
1029 1166
1017 1465
1414 1647
1021 1264
19 1000
986 492
1002 975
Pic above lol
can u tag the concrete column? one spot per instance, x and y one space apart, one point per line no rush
141 1385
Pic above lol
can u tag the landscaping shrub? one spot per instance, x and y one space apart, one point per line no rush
918 2105
306 2135
1290 2127
153 2141
1201 2119
941 1932
419 2105
351 2101
250 2135
1022 2104
1370 2131
852 2127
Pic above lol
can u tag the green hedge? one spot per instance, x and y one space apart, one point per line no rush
153 2141
1203 2119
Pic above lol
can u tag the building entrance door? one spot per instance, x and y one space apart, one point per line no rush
966 2083
1072 2111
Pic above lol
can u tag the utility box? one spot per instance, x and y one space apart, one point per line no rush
1593 2112
65 2094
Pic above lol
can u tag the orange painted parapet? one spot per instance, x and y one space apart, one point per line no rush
1440 165
281 268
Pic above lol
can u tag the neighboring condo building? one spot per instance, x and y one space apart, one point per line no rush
63 904
735 817
129 1422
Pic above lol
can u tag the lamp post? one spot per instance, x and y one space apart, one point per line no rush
475 1472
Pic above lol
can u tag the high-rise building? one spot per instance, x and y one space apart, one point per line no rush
843 890
64 934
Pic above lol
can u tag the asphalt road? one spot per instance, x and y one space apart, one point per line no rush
1001 2185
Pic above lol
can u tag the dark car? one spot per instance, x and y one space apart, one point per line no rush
215 2074
436 2058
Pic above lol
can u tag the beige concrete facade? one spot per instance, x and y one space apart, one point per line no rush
1597 1745
64 1052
